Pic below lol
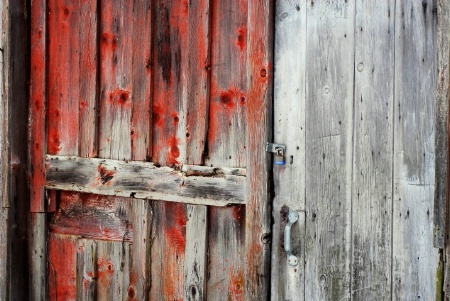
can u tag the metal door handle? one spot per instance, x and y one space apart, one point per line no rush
292 219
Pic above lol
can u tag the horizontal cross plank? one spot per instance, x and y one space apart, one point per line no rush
189 184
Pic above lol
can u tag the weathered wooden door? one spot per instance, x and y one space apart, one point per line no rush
354 104
148 128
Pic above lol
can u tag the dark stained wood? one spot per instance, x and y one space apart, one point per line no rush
259 124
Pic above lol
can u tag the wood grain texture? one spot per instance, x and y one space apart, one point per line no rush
38 256
38 105
88 77
116 93
441 124
195 263
287 282
86 269
259 127
62 273
63 77
5 252
93 216
145 181
329 94
415 260
372 151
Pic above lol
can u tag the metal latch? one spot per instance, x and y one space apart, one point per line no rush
280 152
292 219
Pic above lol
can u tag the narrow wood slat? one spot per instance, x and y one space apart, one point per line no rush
228 95
94 216
62 273
329 149
5 254
88 76
168 250
226 145
287 282
116 93
441 124
63 77
113 266
143 180
140 120
38 256
415 266
86 269
373 145
195 263
38 105
259 127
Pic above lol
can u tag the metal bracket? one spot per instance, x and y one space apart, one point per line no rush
279 150
292 219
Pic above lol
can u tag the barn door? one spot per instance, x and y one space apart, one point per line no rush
149 121
354 104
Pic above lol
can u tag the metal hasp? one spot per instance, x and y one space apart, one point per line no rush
292 219
279 150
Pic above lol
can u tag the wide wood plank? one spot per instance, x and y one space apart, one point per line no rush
144 180
86 270
415 260
287 282
373 144
259 131
62 273
329 94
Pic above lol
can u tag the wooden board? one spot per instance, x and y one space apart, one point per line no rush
287 282
372 151
415 260
197 185
329 153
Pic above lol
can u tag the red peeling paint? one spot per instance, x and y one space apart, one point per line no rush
174 150
54 142
158 115
239 212
242 38
83 104
175 117
109 41
105 271
230 97
176 228
236 286
120 97
105 176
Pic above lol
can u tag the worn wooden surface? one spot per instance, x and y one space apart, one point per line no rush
287 282
38 256
212 186
372 151
415 260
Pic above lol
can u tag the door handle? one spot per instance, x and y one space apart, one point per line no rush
292 219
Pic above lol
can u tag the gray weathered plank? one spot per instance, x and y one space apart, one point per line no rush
415 260
195 262
329 116
144 180
372 146
287 282
38 257
441 124
86 269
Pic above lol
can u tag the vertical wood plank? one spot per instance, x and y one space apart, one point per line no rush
373 145
226 145
259 131
88 39
195 263
228 102
289 129
142 66
38 257
38 104
112 270
63 77
441 139
116 30
86 270
168 251
415 260
5 254
62 274
329 94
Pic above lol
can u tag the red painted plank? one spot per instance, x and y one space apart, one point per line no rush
116 94
63 77
140 120
88 79
37 105
62 274
93 216
257 227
